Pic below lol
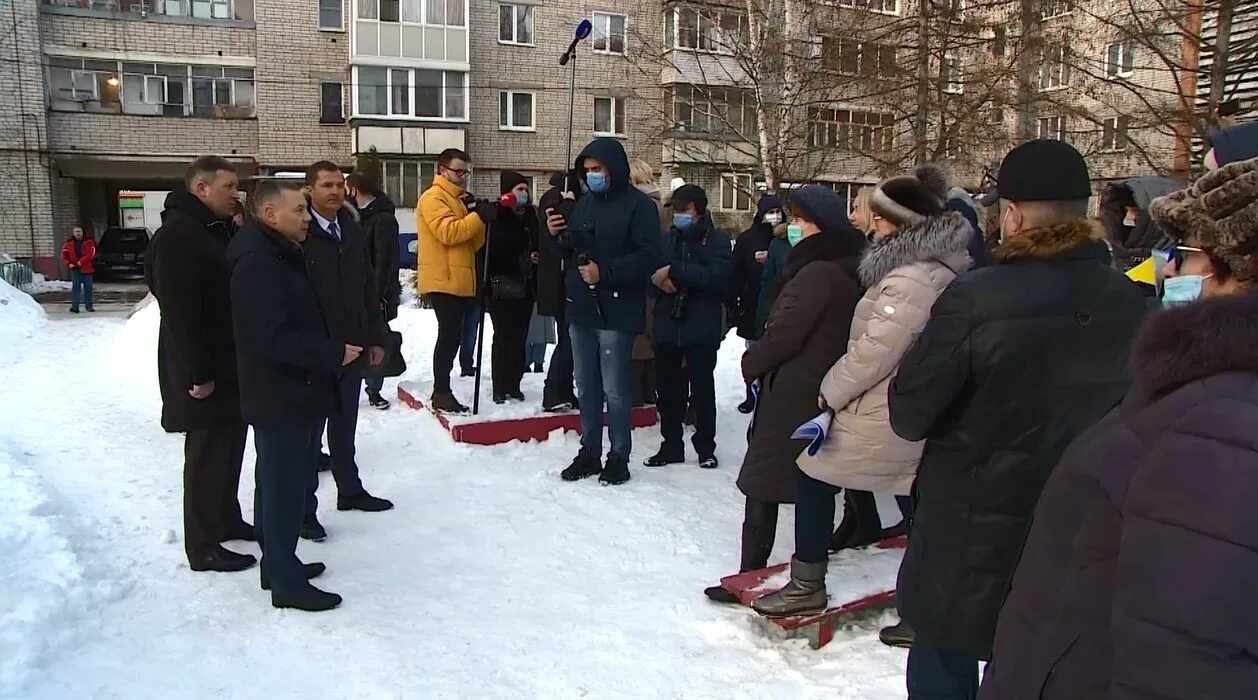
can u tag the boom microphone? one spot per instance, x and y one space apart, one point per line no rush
582 32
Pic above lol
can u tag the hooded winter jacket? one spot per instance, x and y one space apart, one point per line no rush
619 230
903 275
1139 572
1016 361
699 260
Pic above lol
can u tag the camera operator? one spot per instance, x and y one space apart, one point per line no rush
612 242
691 290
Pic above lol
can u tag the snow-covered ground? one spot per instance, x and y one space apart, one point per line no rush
491 579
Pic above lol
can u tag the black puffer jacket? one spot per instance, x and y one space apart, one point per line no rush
513 238
186 270
806 332
287 358
1016 361
550 266
380 226
1139 574
744 292
345 283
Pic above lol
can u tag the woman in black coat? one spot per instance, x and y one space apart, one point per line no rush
511 286
1138 575
806 332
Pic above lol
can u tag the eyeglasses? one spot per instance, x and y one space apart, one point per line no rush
461 172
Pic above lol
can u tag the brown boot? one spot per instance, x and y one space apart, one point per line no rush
445 402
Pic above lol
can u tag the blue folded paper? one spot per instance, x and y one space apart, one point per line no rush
814 431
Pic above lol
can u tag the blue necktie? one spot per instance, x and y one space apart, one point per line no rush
334 230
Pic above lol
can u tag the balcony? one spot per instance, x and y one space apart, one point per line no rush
216 12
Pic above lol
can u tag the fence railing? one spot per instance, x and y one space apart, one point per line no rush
16 273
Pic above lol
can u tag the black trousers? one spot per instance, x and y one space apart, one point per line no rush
450 314
286 459
814 517
642 382
211 480
559 377
700 361
511 328
342 431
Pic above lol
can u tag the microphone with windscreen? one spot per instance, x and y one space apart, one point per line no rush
584 27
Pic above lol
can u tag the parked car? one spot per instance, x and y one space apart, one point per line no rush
120 251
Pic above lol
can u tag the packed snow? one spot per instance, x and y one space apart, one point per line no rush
42 285
491 579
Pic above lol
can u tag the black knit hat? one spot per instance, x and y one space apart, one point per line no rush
1044 170
906 199
690 194
509 179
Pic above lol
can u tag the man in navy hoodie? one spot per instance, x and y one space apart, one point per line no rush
612 241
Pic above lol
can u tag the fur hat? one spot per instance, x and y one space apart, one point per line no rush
1219 213
907 199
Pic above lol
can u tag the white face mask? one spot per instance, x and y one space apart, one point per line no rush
773 218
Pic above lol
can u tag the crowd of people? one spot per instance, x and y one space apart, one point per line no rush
1072 463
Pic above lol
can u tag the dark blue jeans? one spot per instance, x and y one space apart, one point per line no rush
814 518
281 474
467 344
601 366
936 674
341 428
80 288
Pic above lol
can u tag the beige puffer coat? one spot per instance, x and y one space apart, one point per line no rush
904 274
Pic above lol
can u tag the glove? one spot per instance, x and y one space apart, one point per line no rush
486 210
469 201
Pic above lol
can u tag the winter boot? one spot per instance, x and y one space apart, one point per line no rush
806 593
376 401
709 462
445 402
310 599
582 467
667 455
899 635
559 405
718 594
500 397
748 405
312 530
616 472
515 395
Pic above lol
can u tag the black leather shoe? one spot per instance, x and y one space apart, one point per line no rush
718 594
666 456
310 599
313 530
223 560
241 531
314 569
365 502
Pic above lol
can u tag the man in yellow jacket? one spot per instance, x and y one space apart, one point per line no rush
451 230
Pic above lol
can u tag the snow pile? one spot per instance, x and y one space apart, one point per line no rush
134 349
42 285
50 591
20 315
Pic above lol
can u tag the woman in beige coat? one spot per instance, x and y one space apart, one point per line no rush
918 248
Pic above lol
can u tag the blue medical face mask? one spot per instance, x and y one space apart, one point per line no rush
794 234
683 220
1177 291
598 182
521 198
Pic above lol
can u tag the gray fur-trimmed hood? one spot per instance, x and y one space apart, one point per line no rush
944 238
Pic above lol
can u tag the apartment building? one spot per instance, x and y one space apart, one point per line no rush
122 94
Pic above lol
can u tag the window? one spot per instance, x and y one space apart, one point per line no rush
999 38
890 7
863 132
368 9
447 12
330 15
390 11
609 33
609 116
706 30
200 9
950 71
515 24
331 109
995 113
404 180
858 57
714 110
407 92
516 110
1052 128
1114 133
1053 71
1118 59
735 192
172 90
1054 8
